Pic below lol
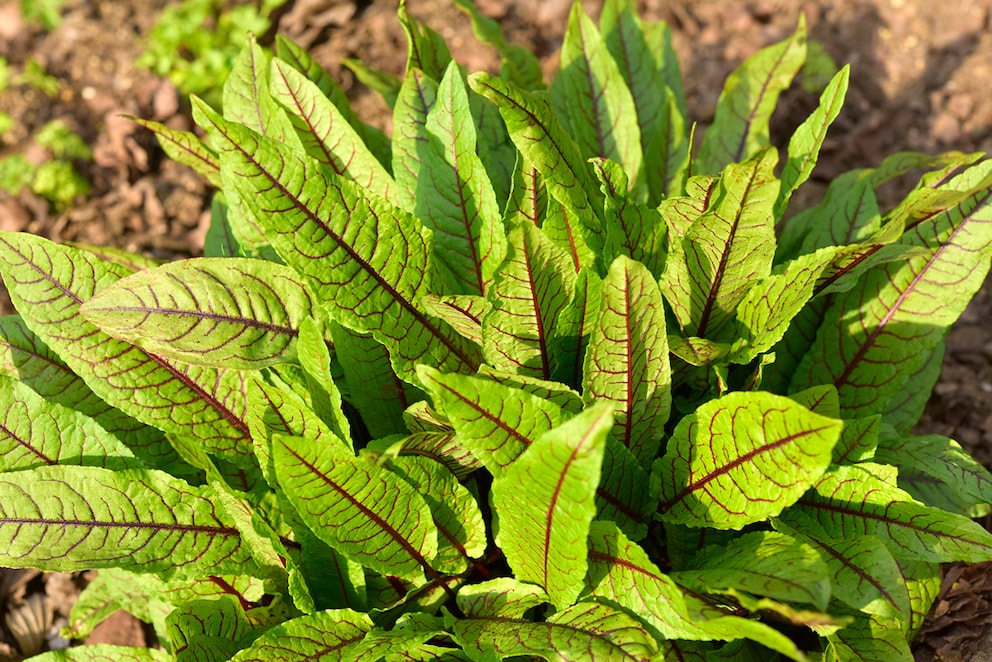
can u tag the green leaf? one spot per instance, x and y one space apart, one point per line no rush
937 471
725 251
644 54
325 635
805 144
503 597
456 199
207 630
850 501
463 312
626 361
847 214
518 65
586 631
426 49
386 84
104 653
373 387
904 410
763 563
461 529
324 131
50 282
879 334
573 328
495 422
315 360
742 458
221 312
290 52
364 511
528 198
415 99
186 148
634 230
36 432
768 308
546 144
873 639
749 96
545 504
621 572
592 100
66 518
532 287
247 100
367 275
23 356
863 573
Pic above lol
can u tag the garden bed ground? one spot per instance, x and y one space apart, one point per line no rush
921 74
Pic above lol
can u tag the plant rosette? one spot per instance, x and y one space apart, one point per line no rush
526 378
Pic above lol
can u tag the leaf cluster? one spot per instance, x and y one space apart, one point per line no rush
529 378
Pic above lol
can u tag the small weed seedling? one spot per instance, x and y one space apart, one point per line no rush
528 379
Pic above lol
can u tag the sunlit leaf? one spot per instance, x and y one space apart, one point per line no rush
50 282
771 450
325 132
221 312
627 358
740 123
545 504
325 635
586 631
35 432
455 198
364 511
65 518
533 285
368 275
591 98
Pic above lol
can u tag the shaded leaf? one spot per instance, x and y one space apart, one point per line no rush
850 501
863 573
461 529
764 563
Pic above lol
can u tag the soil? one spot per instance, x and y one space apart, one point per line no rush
920 81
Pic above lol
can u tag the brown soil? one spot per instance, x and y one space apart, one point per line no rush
921 74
